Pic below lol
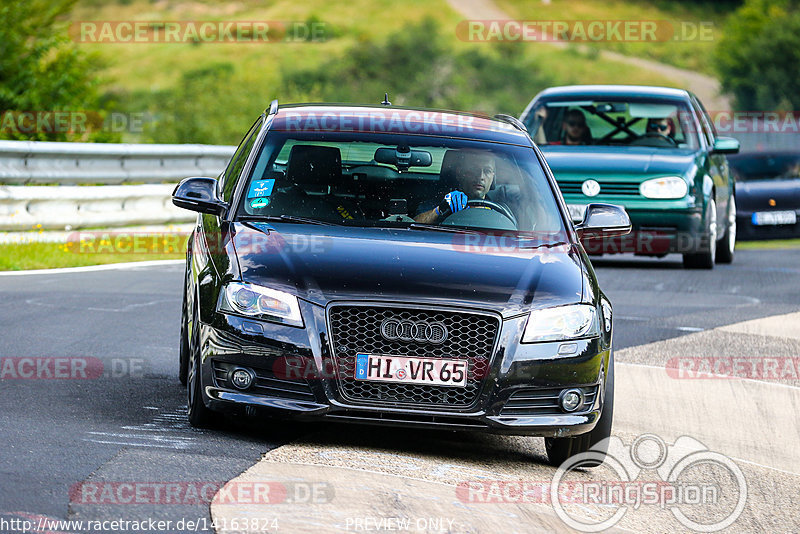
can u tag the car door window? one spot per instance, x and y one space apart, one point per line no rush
705 122
228 180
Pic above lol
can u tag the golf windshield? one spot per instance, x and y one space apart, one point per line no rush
649 123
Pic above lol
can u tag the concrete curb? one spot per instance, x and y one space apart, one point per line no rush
748 420
745 419
369 496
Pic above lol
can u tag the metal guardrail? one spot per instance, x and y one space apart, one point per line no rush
35 162
66 204
74 207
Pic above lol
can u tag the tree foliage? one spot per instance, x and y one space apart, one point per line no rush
42 71
759 56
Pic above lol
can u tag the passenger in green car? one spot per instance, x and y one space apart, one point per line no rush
574 130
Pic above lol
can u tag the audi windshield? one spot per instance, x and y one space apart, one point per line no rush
399 181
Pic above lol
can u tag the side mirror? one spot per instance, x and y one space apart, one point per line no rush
604 220
199 194
725 145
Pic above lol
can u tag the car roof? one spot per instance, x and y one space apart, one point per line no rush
611 91
396 120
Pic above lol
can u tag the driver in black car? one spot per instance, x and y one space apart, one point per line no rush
473 175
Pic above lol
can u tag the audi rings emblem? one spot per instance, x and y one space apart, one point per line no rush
419 331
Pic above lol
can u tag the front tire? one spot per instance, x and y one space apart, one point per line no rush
728 242
560 450
183 362
707 258
200 416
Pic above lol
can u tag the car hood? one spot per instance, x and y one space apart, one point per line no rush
591 161
322 264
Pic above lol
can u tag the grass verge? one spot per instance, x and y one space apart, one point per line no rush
100 249
768 244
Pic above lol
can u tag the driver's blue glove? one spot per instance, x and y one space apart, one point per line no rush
453 202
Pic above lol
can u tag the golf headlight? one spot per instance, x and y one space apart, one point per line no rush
561 323
260 303
669 187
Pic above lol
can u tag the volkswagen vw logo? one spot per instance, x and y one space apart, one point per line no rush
420 331
590 188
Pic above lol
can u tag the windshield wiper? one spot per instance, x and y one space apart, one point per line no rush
437 228
286 218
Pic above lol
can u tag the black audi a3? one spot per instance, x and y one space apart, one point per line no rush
396 266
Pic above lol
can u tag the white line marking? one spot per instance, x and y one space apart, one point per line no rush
93 268
128 444
762 382
690 329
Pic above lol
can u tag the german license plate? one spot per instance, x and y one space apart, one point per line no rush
576 211
404 370
764 218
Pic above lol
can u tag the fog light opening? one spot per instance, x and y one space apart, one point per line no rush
571 400
242 378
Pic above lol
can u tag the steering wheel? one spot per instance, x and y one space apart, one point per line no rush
659 135
484 203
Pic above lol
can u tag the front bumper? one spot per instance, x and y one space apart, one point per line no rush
296 380
658 227
746 230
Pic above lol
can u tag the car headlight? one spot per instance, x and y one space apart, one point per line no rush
561 323
668 187
261 303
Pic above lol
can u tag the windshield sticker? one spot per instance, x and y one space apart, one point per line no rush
261 188
259 203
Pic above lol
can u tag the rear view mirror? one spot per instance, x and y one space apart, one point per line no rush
199 194
403 157
604 220
611 107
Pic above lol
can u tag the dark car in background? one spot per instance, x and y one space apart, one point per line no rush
654 151
312 291
767 194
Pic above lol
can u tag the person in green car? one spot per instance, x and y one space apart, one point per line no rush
574 130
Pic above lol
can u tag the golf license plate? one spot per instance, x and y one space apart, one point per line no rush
576 211
405 370
764 218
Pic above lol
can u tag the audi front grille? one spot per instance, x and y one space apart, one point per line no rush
420 333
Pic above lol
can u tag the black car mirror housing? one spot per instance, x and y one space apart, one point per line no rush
199 194
604 220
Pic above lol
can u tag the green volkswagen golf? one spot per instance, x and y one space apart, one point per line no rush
654 151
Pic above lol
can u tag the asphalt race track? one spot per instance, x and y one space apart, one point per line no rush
119 417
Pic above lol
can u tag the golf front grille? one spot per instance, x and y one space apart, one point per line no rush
357 329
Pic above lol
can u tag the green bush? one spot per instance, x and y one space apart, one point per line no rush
759 56
42 72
